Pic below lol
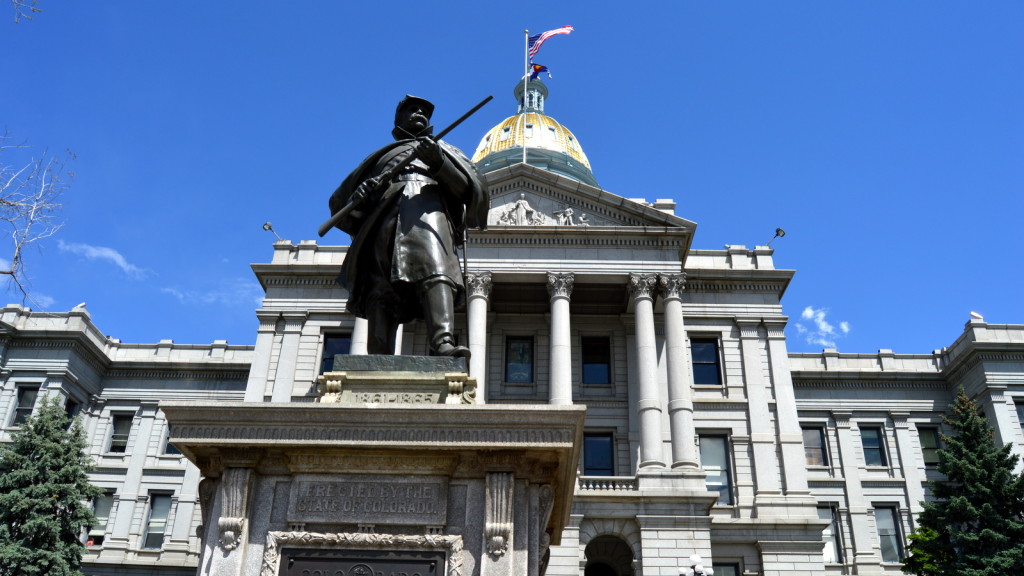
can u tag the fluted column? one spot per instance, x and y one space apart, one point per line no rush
360 334
478 285
560 377
680 395
642 289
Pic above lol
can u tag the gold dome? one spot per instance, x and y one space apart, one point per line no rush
539 132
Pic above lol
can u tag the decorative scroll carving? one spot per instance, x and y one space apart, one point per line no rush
234 490
207 489
560 285
545 504
642 285
671 285
451 544
479 284
498 522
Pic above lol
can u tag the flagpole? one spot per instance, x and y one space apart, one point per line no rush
526 82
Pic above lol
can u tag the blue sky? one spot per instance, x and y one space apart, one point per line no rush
887 140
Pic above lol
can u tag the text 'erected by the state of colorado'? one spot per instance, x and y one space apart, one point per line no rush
394 500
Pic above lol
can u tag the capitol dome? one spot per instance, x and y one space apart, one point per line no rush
549 145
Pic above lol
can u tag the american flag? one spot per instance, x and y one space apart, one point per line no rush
535 42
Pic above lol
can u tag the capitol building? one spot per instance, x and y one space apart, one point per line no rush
703 433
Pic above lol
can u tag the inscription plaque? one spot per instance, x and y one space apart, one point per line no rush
306 562
373 499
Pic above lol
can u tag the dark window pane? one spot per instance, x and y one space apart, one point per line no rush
101 508
121 428
519 359
159 508
886 520
26 402
334 344
704 356
714 458
597 355
814 447
929 445
874 451
169 448
598 455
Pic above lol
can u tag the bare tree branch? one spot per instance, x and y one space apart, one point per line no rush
30 206
25 9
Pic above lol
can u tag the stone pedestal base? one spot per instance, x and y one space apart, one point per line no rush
390 489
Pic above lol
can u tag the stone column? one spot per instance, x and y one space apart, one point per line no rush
641 288
360 334
478 285
762 433
680 395
560 376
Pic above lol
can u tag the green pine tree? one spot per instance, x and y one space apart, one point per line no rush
45 496
975 524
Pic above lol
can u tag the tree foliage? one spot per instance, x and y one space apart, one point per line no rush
44 496
974 526
30 205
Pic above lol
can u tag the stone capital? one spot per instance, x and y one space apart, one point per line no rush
479 284
560 284
642 285
670 286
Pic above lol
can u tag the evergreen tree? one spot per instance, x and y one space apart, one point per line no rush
975 524
45 496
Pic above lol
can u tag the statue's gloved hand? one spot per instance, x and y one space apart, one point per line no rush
429 151
365 190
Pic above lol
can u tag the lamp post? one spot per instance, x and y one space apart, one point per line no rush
696 568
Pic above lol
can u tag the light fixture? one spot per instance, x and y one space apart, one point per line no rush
270 228
779 233
696 568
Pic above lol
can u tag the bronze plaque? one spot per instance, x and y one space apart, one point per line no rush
306 562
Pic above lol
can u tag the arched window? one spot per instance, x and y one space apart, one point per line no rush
608 556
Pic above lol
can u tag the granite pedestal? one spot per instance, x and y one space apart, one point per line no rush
400 479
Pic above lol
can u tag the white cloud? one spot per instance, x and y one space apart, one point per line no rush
103 253
817 330
43 301
230 292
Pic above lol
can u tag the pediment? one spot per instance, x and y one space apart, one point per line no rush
523 195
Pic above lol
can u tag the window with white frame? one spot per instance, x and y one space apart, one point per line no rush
101 507
26 403
873 440
120 430
156 526
714 458
704 357
887 521
833 552
815 448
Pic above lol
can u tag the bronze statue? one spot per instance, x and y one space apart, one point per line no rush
407 207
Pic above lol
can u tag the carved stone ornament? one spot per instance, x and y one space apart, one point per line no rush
450 544
560 285
545 504
498 524
520 213
671 285
642 285
234 485
479 284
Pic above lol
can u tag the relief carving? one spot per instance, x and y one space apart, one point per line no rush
498 523
451 544
234 486
642 285
520 213
560 285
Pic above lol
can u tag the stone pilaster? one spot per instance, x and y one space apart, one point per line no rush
794 464
560 378
257 388
913 469
284 376
649 410
768 489
478 285
864 558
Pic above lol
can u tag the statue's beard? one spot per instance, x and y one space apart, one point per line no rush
400 133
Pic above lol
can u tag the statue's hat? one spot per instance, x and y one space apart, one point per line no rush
427 106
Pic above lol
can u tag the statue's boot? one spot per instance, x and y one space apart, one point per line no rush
382 332
439 313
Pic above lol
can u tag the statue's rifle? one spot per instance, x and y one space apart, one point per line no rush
385 178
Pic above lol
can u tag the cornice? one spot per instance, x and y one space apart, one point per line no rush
213 373
861 381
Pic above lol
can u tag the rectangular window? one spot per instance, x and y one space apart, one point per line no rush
519 359
26 402
598 454
887 522
1020 413
169 448
874 446
159 508
597 360
101 507
121 427
930 445
726 569
831 535
334 344
706 366
714 458
815 449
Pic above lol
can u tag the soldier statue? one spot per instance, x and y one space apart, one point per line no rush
406 219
